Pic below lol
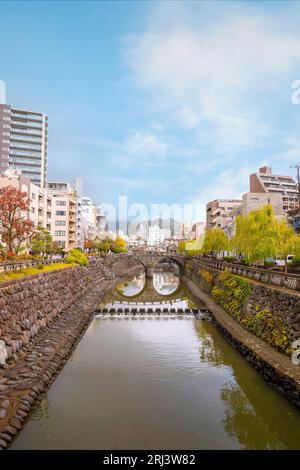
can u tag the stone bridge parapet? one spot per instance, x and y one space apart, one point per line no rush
151 259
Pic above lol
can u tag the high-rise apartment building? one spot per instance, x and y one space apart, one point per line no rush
24 143
264 181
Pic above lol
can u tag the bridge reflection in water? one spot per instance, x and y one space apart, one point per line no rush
164 289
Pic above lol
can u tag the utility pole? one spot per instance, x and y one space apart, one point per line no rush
298 182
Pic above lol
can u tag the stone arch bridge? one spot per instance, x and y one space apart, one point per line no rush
150 260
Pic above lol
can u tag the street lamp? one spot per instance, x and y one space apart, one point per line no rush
298 182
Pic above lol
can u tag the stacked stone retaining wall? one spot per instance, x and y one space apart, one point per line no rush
283 304
42 318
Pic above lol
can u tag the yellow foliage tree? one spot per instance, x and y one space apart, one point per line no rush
215 241
259 235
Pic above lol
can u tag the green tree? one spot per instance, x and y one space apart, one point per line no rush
287 242
104 246
215 241
41 241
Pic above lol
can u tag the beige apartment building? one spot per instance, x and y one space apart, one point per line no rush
40 206
64 210
54 208
220 212
264 181
254 201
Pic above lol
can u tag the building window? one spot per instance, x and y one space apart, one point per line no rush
60 223
60 213
61 203
60 233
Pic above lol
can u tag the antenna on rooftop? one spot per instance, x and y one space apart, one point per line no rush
298 183
2 92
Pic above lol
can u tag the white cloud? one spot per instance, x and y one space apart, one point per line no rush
145 145
141 146
188 117
231 183
292 152
206 76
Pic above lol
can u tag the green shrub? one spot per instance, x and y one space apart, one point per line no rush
229 259
295 263
244 261
270 263
77 257
40 267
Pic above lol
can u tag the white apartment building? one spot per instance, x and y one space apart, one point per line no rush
155 235
88 219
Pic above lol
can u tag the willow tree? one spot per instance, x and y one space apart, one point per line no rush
215 241
259 235
287 241
255 235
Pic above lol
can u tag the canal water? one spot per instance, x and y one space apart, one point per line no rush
159 383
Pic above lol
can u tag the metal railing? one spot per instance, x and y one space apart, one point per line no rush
267 276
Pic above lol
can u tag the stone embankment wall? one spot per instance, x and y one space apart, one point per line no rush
270 313
42 318
30 303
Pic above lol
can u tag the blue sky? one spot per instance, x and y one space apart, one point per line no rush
165 102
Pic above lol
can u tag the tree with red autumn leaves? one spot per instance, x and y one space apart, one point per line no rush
14 227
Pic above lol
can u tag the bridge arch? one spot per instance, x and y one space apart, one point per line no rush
172 259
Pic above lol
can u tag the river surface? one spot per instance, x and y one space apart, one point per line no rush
158 383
